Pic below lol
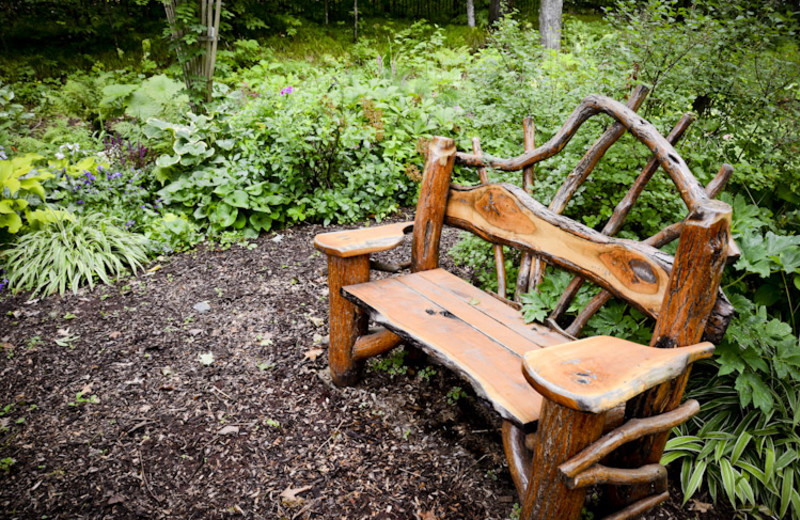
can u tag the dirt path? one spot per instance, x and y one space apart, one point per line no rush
204 394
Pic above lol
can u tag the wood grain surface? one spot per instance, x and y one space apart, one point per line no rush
505 214
362 241
599 373
466 330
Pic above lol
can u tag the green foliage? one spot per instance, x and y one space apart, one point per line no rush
21 191
13 116
157 96
81 400
175 232
124 195
393 363
72 251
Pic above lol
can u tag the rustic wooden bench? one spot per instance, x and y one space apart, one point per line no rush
556 395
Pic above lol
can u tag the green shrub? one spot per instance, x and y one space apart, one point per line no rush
21 191
73 251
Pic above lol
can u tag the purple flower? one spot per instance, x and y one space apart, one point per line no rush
80 202
286 90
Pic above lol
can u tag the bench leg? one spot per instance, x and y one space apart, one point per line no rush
517 455
347 322
562 433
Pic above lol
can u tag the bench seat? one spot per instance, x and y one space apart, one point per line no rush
465 329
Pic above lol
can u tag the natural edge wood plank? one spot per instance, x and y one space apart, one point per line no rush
599 373
362 241
505 214
492 370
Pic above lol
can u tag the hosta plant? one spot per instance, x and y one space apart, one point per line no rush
72 251
20 190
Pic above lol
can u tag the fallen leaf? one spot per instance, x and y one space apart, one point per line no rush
426 515
202 307
313 354
289 496
154 268
87 389
700 507
317 321
206 359
115 334
168 371
229 430
317 339
116 499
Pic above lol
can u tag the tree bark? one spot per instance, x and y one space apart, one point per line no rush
471 13
494 11
550 23
355 21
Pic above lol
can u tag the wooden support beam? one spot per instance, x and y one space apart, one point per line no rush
517 455
562 433
599 474
431 204
347 322
620 213
525 282
695 278
722 312
689 188
637 508
375 344
632 430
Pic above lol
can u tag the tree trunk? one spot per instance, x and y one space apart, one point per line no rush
326 12
355 20
550 23
494 11
471 13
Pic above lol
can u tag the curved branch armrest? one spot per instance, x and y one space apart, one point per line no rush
345 244
600 373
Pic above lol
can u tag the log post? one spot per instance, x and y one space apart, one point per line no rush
562 433
347 322
431 205
688 302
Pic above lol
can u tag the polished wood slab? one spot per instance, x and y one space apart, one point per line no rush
362 241
466 330
599 373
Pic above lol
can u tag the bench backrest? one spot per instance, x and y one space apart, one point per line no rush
637 272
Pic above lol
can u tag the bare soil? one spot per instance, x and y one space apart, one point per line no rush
199 389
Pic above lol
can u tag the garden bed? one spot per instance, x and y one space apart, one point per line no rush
256 430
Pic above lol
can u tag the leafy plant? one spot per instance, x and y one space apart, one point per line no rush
72 251
21 190
81 400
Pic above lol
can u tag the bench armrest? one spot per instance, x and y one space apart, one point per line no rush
345 244
600 373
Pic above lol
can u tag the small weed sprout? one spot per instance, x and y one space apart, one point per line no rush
6 463
455 394
80 399
392 364
426 373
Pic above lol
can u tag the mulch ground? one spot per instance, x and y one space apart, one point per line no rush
200 389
